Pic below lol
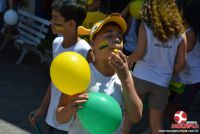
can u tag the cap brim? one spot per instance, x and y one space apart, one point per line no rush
83 31
114 17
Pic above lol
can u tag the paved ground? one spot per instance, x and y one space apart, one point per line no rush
23 86
21 90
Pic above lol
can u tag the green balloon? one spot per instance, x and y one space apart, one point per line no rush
101 114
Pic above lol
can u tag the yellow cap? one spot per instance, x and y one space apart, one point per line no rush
114 17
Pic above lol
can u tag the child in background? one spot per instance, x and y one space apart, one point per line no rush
131 37
189 76
109 75
132 33
160 53
93 13
67 15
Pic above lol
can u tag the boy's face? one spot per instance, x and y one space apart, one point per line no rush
106 40
58 23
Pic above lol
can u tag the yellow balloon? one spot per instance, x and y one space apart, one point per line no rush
135 8
70 73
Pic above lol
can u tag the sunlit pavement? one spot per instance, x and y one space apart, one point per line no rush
8 128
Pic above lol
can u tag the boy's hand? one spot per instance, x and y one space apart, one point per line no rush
33 116
76 102
119 62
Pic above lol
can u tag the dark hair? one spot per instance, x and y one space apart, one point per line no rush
71 10
191 12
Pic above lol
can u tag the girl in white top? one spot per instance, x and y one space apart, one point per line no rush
110 75
190 74
160 42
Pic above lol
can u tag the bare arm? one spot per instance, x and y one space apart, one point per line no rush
181 56
68 106
127 124
43 106
132 102
45 102
191 40
141 46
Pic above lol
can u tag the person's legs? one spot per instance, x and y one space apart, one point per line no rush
189 93
155 120
141 87
158 98
178 102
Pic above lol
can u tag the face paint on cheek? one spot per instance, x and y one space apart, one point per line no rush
103 44
58 26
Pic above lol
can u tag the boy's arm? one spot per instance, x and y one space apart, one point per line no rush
63 112
69 105
45 102
127 124
181 56
141 46
43 106
132 102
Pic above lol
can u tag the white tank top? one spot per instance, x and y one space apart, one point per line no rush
191 73
81 47
157 64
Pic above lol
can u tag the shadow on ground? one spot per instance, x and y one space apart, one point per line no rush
22 88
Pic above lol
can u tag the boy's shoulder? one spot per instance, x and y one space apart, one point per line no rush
82 42
57 40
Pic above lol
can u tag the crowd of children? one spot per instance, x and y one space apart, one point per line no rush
160 46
